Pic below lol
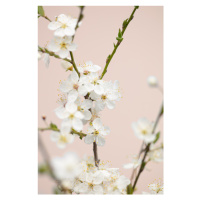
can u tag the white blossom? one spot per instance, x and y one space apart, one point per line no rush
135 162
155 154
63 25
62 46
73 87
109 95
88 67
83 107
96 133
143 130
63 137
66 167
71 116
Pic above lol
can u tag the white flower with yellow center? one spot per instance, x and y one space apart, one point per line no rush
71 116
110 94
73 87
62 46
155 154
92 83
88 67
135 162
63 137
66 167
156 188
118 185
63 25
143 130
96 133
90 184
83 107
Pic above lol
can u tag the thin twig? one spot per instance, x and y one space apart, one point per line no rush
44 50
96 159
80 134
142 166
119 42
134 170
79 19
73 63
44 17
46 157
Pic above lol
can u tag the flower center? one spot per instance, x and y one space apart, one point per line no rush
63 139
144 132
64 26
86 72
103 97
96 132
75 86
71 116
63 45
90 185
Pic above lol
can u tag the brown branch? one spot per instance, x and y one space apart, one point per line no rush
96 159
79 18
47 159
142 166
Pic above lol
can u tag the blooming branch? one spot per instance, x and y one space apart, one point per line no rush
147 149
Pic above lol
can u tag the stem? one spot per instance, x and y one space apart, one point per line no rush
96 159
46 157
81 135
142 166
74 64
44 50
79 18
134 170
118 43
45 17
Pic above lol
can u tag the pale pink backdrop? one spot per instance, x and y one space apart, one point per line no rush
139 55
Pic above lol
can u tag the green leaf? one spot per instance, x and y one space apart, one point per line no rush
53 126
129 189
41 11
125 23
157 137
119 34
119 39
57 191
43 168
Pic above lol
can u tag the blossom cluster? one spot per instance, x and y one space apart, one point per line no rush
83 94
83 177
155 188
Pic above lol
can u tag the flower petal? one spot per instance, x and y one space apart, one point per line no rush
77 124
54 25
89 139
97 123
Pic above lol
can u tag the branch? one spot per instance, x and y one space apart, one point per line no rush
142 166
44 50
44 17
79 18
96 159
119 38
74 64
46 157
80 134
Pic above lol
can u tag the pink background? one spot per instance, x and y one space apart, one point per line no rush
139 55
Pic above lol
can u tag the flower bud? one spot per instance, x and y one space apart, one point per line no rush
152 81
